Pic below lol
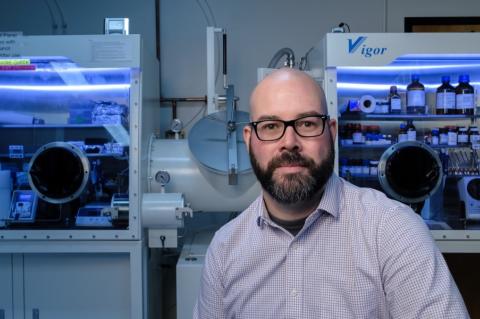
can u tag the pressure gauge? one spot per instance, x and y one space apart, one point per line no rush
162 177
176 126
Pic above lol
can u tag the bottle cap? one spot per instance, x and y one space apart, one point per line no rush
393 89
446 78
463 78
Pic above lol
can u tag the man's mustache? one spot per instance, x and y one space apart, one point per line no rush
288 159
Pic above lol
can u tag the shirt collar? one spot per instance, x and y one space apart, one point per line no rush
330 202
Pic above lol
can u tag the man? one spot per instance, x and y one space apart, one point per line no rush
313 245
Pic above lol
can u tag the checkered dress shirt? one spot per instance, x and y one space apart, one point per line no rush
359 255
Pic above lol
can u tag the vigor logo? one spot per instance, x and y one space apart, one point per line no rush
366 51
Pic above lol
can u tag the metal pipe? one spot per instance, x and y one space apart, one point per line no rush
183 99
175 100
280 53
225 61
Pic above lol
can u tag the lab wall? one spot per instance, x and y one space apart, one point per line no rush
258 29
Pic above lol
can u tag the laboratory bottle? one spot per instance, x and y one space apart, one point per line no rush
474 136
357 134
464 94
445 97
402 134
452 135
443 136
435 139
416 96
411 131
462 137
395 102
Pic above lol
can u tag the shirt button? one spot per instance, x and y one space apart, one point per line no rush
294 292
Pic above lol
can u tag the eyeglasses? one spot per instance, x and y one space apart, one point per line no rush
305 126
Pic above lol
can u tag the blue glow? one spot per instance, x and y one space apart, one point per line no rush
65 88
383 87
407 67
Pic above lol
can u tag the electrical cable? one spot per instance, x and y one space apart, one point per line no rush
52 17
62 18
211 12
204 13
303 64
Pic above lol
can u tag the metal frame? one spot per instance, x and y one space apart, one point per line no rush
135 249
86 51
334 54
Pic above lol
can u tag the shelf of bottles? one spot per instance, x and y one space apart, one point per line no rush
419 98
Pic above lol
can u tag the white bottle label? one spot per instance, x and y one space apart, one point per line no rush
402 137
474 139
465 101
452 138
435 140
462 138
396 104
416 98
411 135
446 100
443 138
357 138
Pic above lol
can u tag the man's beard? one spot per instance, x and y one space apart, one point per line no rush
294 187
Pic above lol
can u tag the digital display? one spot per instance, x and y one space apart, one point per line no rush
25 197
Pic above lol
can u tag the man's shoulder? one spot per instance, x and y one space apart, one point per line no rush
373 206
239 227
369 196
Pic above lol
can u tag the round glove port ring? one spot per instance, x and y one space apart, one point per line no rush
410 171
58 172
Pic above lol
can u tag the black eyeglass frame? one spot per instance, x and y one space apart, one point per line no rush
291 123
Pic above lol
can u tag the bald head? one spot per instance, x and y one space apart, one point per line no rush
287 88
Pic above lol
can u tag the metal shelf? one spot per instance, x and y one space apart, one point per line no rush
28 155
366 146
403 117
50 126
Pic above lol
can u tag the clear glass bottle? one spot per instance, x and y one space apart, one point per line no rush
445 99
464 96
395 102
416 96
